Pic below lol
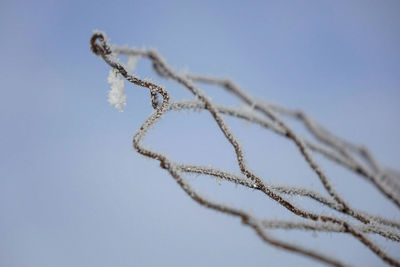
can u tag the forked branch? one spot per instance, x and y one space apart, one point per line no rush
268 116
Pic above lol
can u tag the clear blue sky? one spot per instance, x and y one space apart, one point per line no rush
73 192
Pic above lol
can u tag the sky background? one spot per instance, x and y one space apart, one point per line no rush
73 192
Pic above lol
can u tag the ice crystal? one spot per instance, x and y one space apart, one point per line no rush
116 96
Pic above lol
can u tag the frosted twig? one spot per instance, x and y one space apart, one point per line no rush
329 227
393 193
290 190
101 47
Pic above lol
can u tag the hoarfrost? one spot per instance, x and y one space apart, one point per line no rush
116 96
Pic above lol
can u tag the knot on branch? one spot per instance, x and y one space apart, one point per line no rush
99 44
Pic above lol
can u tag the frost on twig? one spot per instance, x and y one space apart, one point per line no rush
131 63
116 96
